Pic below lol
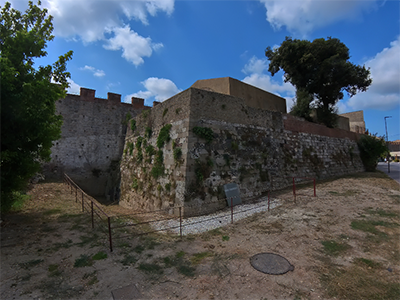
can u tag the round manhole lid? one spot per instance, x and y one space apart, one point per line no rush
270 263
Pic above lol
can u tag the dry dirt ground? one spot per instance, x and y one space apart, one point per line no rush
343 244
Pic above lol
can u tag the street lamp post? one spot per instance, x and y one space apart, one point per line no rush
387 142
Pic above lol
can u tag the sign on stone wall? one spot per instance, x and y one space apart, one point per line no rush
232 192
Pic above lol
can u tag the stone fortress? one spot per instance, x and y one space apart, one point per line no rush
181 152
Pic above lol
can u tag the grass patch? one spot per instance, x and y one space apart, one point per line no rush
225 238
128 260
88 239
347 193
57 246
369 226
99 255
90 278
54 211
30 264
382 213
198 257
367 262
151 268
186 270
54 271
355 283
83 261
139 249
333 248
183 266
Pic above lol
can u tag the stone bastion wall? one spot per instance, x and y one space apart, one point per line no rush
92 140
216 139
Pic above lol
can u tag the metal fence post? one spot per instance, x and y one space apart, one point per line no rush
91 204
180 220
232 210
83 206
315 191
109 233
294 191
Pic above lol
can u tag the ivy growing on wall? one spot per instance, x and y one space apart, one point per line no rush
133 125
139 142
130 147
204 132
150 151
164 112
139 156
148 132
177 154
158 168
163 136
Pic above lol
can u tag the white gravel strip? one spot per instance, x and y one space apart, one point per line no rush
205 223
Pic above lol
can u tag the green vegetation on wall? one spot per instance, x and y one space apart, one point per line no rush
130 147
148 132
133 125
163 136
164 112
204 133
158 168
139 142
177 154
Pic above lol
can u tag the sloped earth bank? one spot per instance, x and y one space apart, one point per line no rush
343 244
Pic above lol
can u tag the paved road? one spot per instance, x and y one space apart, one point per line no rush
394 170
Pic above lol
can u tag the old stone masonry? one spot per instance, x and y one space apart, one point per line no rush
181 152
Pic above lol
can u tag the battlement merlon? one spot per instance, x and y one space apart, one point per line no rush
90 95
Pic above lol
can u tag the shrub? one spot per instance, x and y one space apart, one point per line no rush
371 148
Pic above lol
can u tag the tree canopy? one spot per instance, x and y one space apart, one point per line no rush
29 122
321 72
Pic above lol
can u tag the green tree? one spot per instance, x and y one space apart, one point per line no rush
29 122
371 148
320 68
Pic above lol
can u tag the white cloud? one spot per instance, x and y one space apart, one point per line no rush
159 88
134 47
255 70
302 17
96 72
73 88
92 20
384 92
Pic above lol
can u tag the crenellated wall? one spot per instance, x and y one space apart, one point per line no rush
257 149
92 140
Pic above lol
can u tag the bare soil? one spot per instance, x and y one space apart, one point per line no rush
343 244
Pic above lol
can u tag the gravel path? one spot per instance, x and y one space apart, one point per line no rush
221 218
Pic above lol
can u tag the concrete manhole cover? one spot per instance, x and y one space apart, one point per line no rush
270 263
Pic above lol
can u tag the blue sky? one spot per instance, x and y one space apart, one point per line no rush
154 49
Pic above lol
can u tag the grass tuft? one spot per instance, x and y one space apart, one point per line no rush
83 261
99 255
333 248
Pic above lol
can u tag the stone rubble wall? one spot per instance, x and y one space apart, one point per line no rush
259 150
91 143
139 188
